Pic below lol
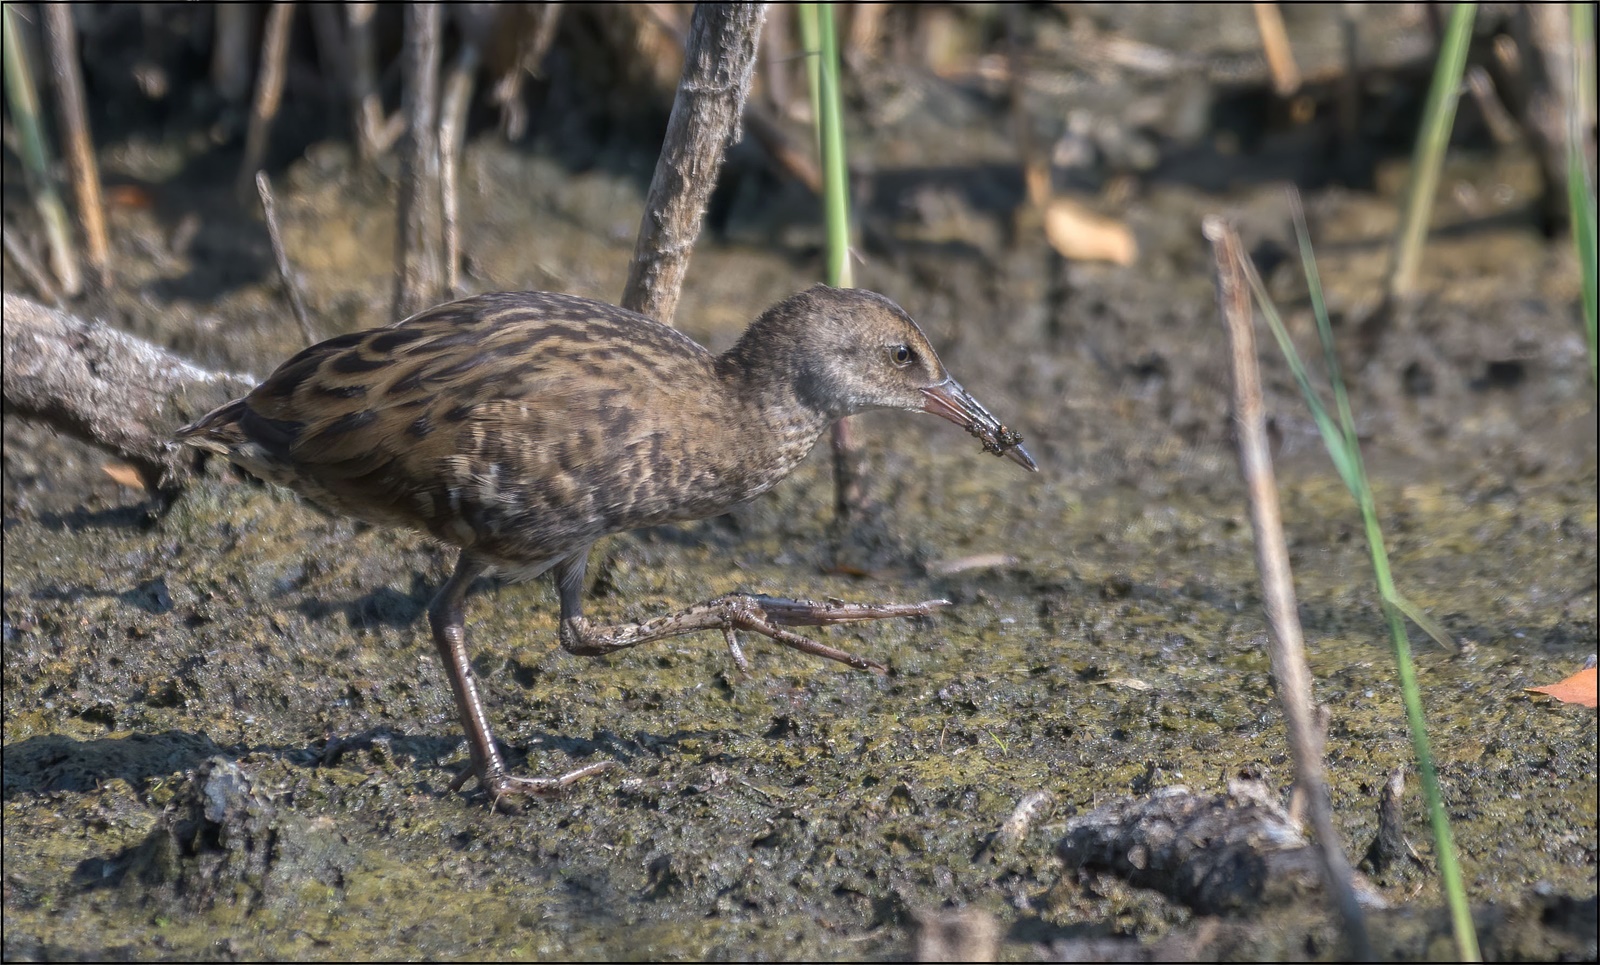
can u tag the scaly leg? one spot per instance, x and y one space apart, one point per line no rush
765 615
447 616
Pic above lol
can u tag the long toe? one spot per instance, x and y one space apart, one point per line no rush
505 787
809 613
758 622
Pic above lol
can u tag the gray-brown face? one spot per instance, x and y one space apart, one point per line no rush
867 353
870 353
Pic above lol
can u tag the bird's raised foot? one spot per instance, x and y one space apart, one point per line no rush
766 615
501 786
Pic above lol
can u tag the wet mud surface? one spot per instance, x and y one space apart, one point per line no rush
227 734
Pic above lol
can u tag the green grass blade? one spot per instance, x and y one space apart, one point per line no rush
1580 180
810 20
1347 423
1345 449
835 173
1581 195
1438 116
1429 625
820 39
1332 436
23 97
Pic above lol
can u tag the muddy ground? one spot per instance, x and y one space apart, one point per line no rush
1106 638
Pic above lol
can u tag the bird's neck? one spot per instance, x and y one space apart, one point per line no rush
778 419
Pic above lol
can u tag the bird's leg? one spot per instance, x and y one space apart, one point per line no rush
447 617
766 615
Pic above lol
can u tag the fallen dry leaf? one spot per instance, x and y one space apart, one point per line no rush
124 474
1131 683
979 561
1576 689
1081 235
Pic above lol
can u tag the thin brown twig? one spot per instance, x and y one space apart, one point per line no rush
1502 126
775 66
297 301
64 64
1349 103
866 32
849 495
532 45
705 119
475 23
1280 56
450 204
31 269
22 96
794 161
366 106
1287 646
269 90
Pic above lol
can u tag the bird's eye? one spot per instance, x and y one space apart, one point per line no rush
901 355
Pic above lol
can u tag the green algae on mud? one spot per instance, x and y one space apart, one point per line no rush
802 807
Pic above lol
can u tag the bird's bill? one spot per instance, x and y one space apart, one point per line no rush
948 400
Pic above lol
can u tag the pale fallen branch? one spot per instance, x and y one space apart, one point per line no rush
108 388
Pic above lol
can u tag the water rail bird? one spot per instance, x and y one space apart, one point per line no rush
522 427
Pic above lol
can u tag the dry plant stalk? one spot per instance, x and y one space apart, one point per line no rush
419 228
30 269
68 71
23 99
327 29
705 119
374 132
269 90
297 301
1280 56
1287 647
475 23
536 31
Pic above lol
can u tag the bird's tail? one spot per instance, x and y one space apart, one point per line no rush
217 430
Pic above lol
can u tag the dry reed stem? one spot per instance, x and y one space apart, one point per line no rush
1287 646
375 133
31 269
419 231
68 71
1502 126
23 96
230 52
328 31
532 45
475 24
297 301
705 119
269 90
1275 42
